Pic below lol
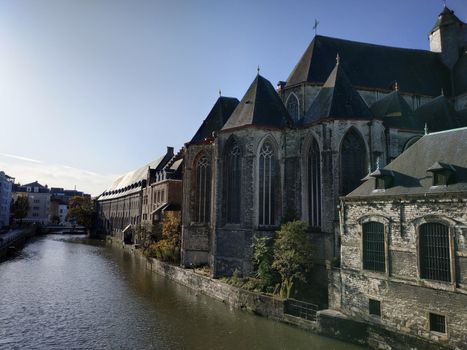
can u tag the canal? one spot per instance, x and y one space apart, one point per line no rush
65 292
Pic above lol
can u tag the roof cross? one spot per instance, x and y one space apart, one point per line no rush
315 27
257 70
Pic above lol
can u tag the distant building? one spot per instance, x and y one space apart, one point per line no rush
39 201
6 184
404 243
140 196
59 203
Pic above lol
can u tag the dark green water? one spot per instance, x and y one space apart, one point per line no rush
62 292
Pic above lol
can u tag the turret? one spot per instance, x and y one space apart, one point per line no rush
449 37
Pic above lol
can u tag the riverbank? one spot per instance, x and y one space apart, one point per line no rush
329 323
15 240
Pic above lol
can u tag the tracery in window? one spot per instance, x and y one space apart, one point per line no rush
267 165
203 190
232 182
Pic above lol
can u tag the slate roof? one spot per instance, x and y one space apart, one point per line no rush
411 168
446 17
216 118
396 112
23 188
373 66
132 181
337 99
261 106
439 114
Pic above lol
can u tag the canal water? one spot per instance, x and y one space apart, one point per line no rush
65 292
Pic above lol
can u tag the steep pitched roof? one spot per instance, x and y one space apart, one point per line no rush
216 118
337 99
411 170
260 106
396 112
446 17
373 66
439 114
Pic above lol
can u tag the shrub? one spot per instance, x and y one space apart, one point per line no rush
292 255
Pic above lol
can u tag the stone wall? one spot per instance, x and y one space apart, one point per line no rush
406 299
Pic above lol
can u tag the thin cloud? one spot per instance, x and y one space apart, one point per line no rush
20 158
27 170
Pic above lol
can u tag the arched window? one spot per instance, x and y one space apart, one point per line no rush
267 165
374 257
314 185
435 260
292 106
232 181
203 190
353 161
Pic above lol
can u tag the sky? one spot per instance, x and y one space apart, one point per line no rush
92 89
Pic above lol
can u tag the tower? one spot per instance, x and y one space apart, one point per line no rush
449 37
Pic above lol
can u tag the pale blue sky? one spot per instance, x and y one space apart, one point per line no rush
90 89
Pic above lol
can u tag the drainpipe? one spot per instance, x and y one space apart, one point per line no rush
370 146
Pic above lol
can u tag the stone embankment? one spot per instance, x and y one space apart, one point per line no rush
329 323
14 240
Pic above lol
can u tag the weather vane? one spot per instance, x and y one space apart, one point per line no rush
315 27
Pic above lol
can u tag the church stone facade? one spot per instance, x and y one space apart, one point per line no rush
278 154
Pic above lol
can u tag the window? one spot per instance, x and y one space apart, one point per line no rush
292 106
353 161
440 179
374 258
36 201
437 323
314 185
374 307
232 184
266 185
435 262
203 190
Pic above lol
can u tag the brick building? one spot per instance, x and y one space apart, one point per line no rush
140 196
404 244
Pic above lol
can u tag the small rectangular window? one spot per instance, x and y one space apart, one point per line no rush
439 179
437 323
380 183
374 307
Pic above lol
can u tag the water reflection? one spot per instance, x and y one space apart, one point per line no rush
61 293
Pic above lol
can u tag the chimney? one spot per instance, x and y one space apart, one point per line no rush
170 151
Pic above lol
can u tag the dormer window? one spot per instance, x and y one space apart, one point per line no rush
384 179
443 173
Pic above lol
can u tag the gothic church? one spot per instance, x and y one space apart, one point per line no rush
346 108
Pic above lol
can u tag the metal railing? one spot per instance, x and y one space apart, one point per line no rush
301 309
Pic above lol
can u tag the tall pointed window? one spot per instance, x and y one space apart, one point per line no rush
435 259
292 106
267 165
203 190
353 161
232 181
314 185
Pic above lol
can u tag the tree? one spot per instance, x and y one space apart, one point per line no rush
168 248
20 208
293 254
82 210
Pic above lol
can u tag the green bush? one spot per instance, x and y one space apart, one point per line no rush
292 255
